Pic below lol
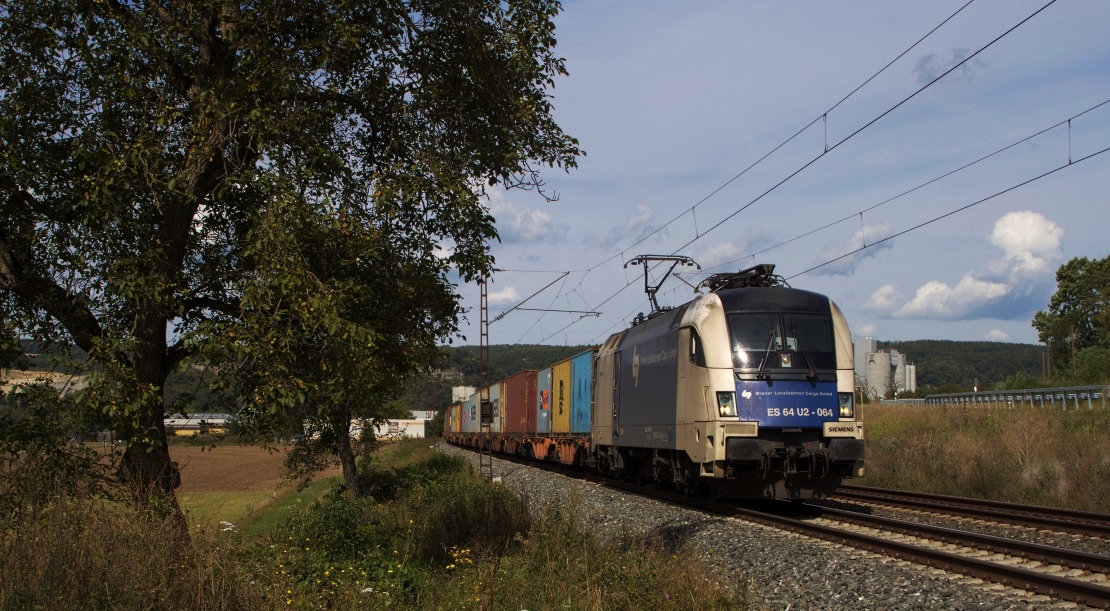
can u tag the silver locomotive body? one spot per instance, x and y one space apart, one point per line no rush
745 391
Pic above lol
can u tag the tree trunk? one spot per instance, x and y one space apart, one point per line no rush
341 425
146 466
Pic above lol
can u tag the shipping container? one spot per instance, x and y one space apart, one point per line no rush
470 415
520 403
582 377
496 409
543 401
560 397
449 424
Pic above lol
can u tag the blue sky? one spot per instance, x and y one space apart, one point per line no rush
672 100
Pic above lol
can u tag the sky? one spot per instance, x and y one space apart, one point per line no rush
674 103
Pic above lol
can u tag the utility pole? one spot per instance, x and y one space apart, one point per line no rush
485 407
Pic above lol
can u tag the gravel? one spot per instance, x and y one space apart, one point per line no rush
782 570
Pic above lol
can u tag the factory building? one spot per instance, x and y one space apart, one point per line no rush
882 373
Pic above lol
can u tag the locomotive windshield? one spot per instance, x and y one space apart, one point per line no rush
760 338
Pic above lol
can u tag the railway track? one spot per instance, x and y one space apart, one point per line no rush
1047 518
1055 572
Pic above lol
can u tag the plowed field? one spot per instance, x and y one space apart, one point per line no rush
230 468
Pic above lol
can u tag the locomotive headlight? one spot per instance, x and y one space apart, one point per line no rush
847 405
726 403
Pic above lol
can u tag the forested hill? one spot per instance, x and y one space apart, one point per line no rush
950 363
461 369
506 360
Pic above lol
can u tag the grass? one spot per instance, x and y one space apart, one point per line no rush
1041 457
434 535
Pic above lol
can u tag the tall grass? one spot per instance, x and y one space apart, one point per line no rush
433 536
93 554
1041 457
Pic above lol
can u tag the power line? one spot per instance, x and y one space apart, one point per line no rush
908 191
788 140
948 214
806 165
865 126
843 140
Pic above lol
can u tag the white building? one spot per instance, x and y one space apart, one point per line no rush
882 373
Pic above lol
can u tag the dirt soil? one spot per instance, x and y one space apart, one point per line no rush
230 468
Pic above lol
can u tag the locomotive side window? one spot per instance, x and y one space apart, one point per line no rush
697 357
754 337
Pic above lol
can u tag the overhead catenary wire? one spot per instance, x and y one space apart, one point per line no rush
860 213
827 149
865 126
1069 163
820 117
832 148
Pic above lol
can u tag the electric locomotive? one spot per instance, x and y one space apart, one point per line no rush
746 391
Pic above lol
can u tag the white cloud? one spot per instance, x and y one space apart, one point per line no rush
1006 288
868 234
997 335
504 296
1029 242
736 253
520 224
719 253
938 301
867 330
637 227
884 300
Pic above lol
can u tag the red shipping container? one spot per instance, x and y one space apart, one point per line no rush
519 400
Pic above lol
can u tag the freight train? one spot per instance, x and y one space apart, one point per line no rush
744 392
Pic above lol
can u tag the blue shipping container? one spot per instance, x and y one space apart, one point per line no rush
582 377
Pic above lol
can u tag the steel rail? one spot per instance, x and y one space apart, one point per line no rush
1042 583
1013 547
1048 584
1063 520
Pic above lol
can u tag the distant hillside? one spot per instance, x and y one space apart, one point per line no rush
950 363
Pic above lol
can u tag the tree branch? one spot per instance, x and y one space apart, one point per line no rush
71 310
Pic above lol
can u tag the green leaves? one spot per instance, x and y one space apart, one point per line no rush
267 184
1078 318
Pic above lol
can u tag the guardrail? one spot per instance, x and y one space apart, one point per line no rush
1068 397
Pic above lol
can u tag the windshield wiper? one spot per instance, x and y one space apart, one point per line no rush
762 374
812 375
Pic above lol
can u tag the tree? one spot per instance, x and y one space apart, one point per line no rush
281 188
1077 318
